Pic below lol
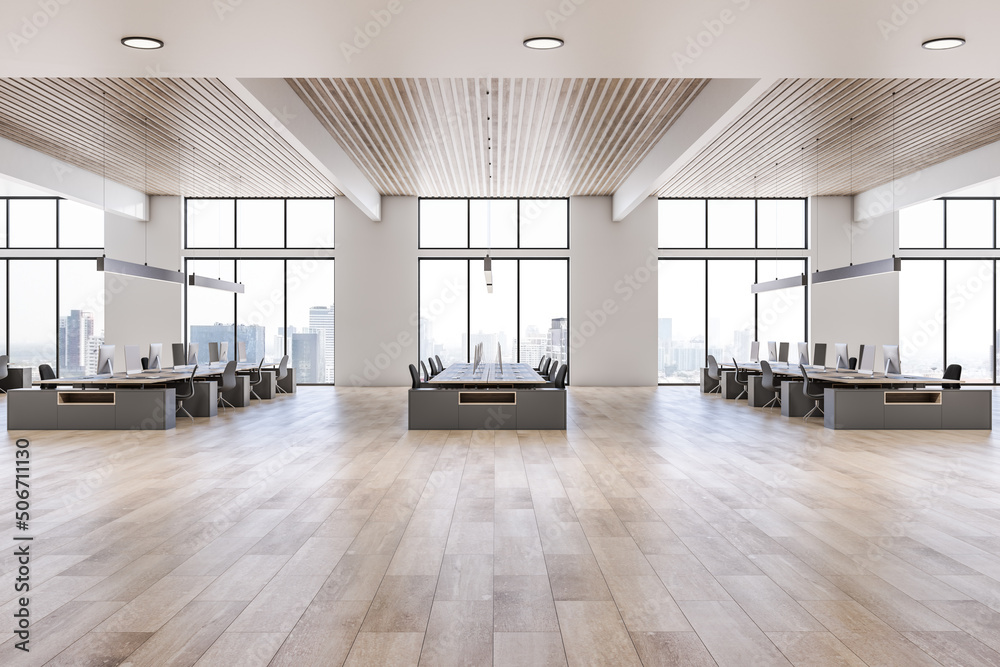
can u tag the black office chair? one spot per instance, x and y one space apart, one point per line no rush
953 372
809 389
714 374
260 378
183 397
415 377
4 360
430 362
767 382
227 383
439 364
282 373
540 362
853 363
559 381
45 372
145 363
427 375
544 370
741 379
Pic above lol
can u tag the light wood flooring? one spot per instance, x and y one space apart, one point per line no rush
664 527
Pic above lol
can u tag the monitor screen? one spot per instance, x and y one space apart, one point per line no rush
213 353
772 351
177 350
782 352
867 362
224 352
133 360
804 353
819 355
843 356
192 354
755 351
155 352
890 353
105 360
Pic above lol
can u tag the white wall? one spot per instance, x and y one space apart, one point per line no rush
859 310
613 294
376 294
139 311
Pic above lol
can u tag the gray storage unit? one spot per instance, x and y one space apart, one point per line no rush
85 410
493 409
758 397
706 383
967 409
145 409
793 402
853 408
78 409
730 389
239 396
205 402
288 383
909 409
432 409
31 410
541 410
267 389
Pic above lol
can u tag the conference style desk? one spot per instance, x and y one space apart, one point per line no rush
145 401
857 400
487 397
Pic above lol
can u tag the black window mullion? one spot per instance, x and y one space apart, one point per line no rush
58 286
944 305
468 311
705 263
517 332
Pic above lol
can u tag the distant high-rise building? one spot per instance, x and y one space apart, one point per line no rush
78 344
307 356
321 320
558 347
665 344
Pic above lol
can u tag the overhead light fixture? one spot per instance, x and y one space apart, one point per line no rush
144 43
108 265
488 268
943 43
782 283
543 43
891 265
214 283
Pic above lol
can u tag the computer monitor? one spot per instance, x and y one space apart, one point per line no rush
192 357
755 351
213 353
241 351
500 357
105 360
133 360
177 351
783 352
819 355
890 353
867 362
155 353
772 351
224 352
843 356
804 353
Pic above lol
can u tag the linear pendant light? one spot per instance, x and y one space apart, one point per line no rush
782 283
214 283
108 265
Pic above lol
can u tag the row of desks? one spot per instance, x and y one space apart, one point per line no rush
840 376
151 377
488 375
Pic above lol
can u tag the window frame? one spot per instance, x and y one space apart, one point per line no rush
756 224
236 224
944 232
468 223
58 246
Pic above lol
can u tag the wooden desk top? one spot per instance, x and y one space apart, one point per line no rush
842 376
488 374
150 377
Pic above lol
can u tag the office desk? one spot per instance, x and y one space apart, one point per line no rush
487 375
91 409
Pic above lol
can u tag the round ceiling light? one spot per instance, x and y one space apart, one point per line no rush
146 43
942 43
543 43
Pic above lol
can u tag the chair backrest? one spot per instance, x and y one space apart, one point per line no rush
283 368
741 373
440 365
541 362
228 376
259 371
560 379
4 360
145 363
767 376
45 372
953 372
713 367
414 376
190 391
545 367
805 380
423 367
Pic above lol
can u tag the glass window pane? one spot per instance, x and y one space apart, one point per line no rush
544 298
681 350
921 317
493 317
970 318
32 223
970 223
781 314
3 223
210 223
210 311
80 226
499 216
33 313
311 320
544 223
444 223
310 223
730 309
922 226
260 223
781 223
731 223
444 309
260 310
81 316
681 223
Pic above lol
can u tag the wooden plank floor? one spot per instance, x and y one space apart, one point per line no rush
664 527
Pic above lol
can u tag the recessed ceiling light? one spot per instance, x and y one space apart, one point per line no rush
142 42
942 43
543 43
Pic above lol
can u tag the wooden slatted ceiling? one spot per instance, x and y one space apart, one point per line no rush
549 137
192 137
935 120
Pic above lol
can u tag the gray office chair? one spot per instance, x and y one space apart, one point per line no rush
767 382
714 374
423 367
4 360
260 378
227 383
415 377
282 373
953 372
183 397
741 379
810 391
559 381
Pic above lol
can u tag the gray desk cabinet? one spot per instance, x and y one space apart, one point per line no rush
541 410
288 382
730 388
205 402
92 409
474 409
239 396
757 395
17 378
926 408
432 409
706 383
793 402
267 389
145 409
490 417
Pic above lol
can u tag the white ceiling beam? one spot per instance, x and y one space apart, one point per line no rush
966 170
718 104
37 170
281 108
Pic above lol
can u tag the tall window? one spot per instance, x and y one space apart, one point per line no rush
949 223
259 223
732 223
524 318
494 223
706 307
